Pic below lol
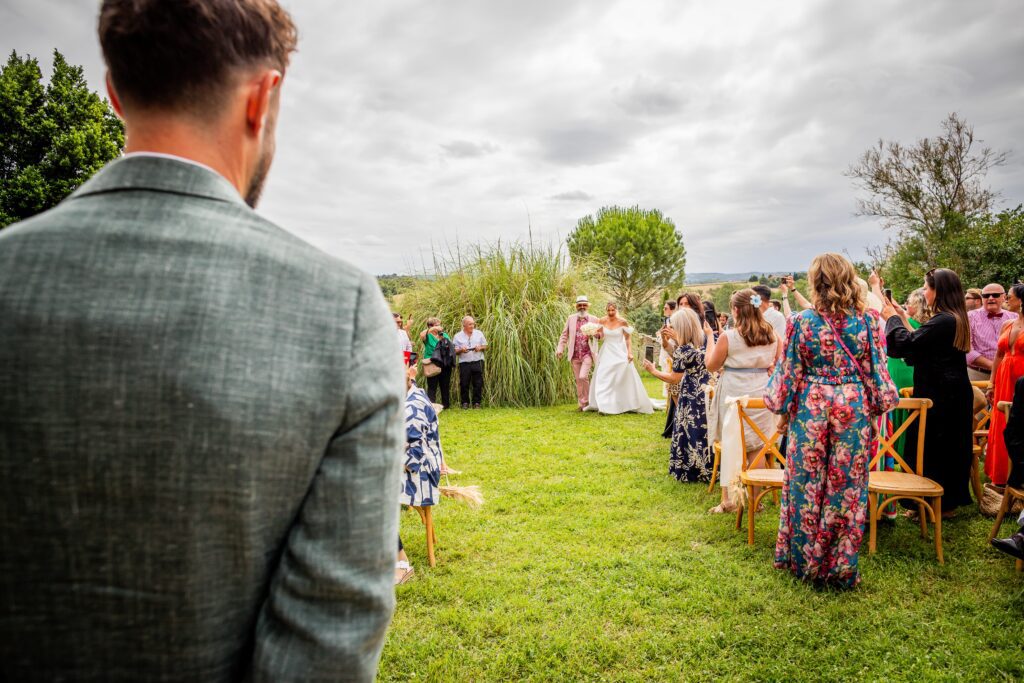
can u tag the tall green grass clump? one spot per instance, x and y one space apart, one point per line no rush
520 296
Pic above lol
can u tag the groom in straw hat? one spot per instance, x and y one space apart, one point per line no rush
581 348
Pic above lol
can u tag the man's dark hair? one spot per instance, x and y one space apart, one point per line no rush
763 291
180 54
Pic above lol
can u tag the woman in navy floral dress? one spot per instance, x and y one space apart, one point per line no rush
689 457
821 394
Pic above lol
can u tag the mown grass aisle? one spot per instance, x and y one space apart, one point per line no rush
589 562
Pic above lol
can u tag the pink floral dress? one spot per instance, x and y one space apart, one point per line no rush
831 438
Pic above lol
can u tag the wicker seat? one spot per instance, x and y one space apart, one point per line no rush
765 471
910 484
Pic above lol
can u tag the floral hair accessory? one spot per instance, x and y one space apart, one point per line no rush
755 300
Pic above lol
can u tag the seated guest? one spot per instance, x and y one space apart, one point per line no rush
972 298
1013 435
199 442
689 455
986 324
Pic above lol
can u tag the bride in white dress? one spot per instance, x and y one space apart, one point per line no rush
616 386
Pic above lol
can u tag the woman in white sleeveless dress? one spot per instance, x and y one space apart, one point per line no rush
616 387
746 354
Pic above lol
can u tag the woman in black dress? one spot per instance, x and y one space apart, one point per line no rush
936 351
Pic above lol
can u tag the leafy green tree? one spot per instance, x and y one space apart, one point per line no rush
53 137
641 251
919 190
646 319
982 249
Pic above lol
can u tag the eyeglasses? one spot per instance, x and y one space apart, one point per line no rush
992 295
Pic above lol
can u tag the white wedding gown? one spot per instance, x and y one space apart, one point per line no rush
616 386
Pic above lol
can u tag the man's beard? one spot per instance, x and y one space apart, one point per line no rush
259 176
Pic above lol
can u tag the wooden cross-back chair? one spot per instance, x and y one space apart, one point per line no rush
1010 494
427 516
984 421
910 484
765 471
976 448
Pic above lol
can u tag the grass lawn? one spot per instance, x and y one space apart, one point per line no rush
588 562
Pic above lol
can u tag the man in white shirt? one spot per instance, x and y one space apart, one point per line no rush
470 345
404 343
776 319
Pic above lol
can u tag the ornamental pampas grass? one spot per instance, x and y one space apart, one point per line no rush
470 495
520 296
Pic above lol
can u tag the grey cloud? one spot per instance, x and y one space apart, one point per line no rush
571 196
464 149
735 119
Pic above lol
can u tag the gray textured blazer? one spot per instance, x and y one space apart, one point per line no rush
200 437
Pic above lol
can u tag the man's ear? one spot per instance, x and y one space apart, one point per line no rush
115 101
261 94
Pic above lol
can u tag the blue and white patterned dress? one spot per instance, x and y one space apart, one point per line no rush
690 458
421 475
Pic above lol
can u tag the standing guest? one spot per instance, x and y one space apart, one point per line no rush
745 355
470 345
972 298
689 455
201 416
423 462
1007 368
404 343
692 301
900 371
441 377
723 322
711 316
819 390
581 349
785 287
986 324
774 317
777 305
666 347
936 350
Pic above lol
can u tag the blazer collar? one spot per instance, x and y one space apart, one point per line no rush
161 174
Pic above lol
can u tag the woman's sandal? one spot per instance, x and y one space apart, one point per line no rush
721 509
407 572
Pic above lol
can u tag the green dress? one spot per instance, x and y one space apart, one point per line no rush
902 376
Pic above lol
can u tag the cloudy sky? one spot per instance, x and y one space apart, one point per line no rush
408 125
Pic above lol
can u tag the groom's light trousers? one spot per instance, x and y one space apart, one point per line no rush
581 371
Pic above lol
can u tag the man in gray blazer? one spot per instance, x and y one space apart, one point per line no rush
199 434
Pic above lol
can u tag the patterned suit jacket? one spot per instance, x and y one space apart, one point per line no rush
199 441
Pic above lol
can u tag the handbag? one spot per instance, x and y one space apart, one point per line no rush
430 369
880 393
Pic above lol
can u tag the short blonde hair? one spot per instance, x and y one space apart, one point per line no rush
687 326
834 287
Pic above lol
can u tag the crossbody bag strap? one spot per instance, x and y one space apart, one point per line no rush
839 340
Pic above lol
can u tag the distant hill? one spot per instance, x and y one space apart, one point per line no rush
704 278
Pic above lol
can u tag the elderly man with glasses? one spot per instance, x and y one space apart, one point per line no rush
986 323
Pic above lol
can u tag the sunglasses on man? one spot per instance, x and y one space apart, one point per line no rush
992 295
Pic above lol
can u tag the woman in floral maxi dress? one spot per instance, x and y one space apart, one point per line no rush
820 391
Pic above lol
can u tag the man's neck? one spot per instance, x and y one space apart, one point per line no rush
172 137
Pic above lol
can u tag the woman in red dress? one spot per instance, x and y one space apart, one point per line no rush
1006 369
